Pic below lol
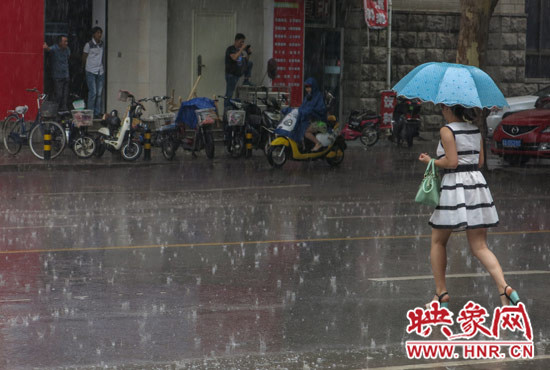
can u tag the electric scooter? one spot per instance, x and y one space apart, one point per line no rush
284 148
122 138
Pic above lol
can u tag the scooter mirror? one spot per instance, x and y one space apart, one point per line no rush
272 68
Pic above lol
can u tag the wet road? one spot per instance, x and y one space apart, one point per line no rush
230 264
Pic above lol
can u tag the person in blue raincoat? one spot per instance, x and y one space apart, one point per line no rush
313 112
313 109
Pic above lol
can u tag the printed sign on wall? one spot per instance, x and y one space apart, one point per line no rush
387 106
376 13
288 46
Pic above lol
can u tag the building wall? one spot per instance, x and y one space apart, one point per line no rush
21 53
249 20
421 36
137 49
503 6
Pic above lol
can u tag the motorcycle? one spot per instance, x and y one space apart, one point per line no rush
123 139
284 148
406 121
362 125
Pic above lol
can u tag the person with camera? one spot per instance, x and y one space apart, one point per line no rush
237 64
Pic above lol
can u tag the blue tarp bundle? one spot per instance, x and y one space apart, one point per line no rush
187 115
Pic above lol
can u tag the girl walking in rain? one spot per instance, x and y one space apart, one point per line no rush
465 202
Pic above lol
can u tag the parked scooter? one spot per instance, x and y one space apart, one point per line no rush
123 138
202 138
234 122
262 124
284 148
362 125
406 121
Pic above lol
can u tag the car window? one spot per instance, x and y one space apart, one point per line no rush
543 92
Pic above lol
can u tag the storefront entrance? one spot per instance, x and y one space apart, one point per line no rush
75 19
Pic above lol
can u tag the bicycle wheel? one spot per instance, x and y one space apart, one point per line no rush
12 135
36 139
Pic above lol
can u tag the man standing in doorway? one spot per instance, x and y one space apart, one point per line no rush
92 59
237 63
59 54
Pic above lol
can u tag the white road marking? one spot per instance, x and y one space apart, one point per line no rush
270 187
377 216
34 227
14 300
448 364
457 276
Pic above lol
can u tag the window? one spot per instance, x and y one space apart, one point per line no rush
319 12
538 39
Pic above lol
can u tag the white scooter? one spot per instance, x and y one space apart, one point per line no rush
122 138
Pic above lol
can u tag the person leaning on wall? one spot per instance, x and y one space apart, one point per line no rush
59 55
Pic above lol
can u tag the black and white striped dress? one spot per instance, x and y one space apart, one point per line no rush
466 201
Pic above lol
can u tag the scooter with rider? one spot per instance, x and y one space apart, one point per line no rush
306 133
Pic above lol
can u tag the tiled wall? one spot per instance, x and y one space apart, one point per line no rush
421 36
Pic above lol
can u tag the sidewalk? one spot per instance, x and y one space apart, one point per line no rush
25 160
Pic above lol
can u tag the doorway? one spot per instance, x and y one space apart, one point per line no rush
72 18
323 60
213 32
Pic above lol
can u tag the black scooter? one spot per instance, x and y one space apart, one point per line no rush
406 121
262 125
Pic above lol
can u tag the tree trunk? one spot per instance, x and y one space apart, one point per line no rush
472 46
474 31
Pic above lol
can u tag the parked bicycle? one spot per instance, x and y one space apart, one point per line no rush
17 131
76 123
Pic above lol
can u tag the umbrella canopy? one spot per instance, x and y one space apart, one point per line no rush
451 84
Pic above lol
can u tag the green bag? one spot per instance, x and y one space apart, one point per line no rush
428 193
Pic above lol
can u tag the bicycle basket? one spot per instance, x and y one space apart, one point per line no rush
206 116
84 117
236 117
49 109
163 119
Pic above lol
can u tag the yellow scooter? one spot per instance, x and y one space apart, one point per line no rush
283 148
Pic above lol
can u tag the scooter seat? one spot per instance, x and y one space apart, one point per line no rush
371 116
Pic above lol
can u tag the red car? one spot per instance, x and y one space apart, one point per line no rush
525 134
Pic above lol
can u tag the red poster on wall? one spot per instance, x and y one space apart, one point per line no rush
376 13
288 46
387 106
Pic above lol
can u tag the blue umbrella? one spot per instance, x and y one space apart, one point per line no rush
451 84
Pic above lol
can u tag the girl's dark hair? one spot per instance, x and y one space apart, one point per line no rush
463 113
239 36
95 29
